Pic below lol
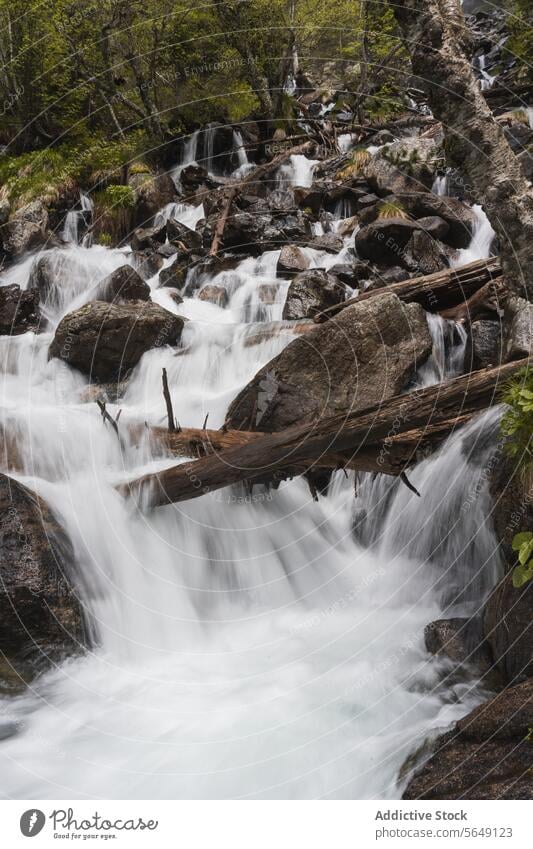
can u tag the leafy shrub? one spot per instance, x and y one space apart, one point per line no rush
517 422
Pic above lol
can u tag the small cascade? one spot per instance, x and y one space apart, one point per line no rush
297 172
482 239
239 150
440 185
76 220
183 212
345 141
189 157
448 354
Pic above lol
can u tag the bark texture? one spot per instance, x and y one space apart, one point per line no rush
437 39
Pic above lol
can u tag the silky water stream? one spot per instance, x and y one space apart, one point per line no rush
244 646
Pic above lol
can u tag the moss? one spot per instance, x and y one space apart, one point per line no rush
50 174
113 214
115 197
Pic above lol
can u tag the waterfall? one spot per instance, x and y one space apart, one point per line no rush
243 163
440 185
249 644
190 153
75 217
482 238
298 171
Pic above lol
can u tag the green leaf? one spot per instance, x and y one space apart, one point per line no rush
520 539
521 576
525 552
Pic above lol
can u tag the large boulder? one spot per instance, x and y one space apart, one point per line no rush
364 356
403 166
384 241
311 292
105 340
508 626
183 236
424 254
458 215
123 284
19 310
40 613
484 346
148 238
519 329
25 229
485 756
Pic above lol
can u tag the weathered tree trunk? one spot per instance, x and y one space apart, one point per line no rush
363 440
435 292
436 37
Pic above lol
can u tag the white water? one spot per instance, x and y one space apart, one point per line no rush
440 186
298 171
76 217
482 238
247 646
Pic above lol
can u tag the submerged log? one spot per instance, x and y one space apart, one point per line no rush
352 437
435 292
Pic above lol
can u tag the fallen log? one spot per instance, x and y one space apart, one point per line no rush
435 292
440 406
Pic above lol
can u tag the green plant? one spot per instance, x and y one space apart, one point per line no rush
517 421
523 545
389 209
115 197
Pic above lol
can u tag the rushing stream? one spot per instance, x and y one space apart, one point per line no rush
246 646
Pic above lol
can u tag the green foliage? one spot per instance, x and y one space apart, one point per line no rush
517 421
520 43
115 197
389 209
523 572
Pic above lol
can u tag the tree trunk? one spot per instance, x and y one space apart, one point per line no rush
436 37
365 440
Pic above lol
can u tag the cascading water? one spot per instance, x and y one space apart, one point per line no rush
248 645
76 217
440 185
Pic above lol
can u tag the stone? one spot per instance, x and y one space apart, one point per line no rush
366 355
462 641
175 275
435 226
458 215
329 242
105 341
405 165
19 310
40 614
148 238
424 254
152 192
214 294
179 233
310 292
485 345
26 229
123 284
384 241
291 261
519 329
485 756
508 626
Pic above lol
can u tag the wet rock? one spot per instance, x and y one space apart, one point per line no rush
291 261
214 294
352 275
347 226
425 254
508 625
175 275
40 614
148 238
369 353
19 310
484 346
311 292
458 215
26 229
485 756
518 134
366 201
329 242
268 293
461 640
105 341
193 177
123 284
167 250
110 393
434 226
182 236
384 241
309 198
5 209
526 161
147 263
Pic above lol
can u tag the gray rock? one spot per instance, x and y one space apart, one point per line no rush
484 347
311 292
519 329
189 239
105 340
123 284
19 310
405 165
148 238
40 614
26 229
214 294
367 354
384 241
291 261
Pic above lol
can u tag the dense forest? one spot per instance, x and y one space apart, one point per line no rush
266 323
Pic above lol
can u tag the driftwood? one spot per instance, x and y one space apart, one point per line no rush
435 292
252 177
366 440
